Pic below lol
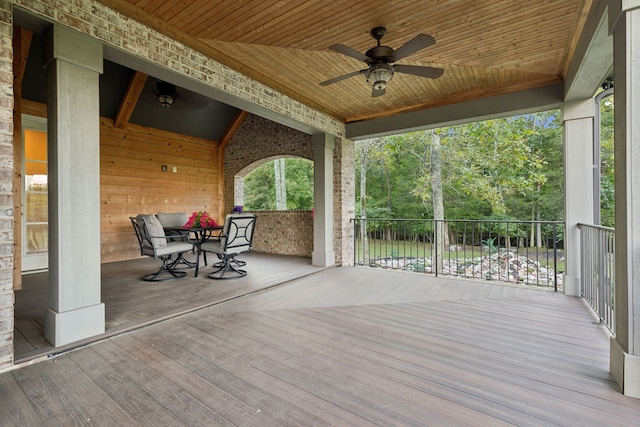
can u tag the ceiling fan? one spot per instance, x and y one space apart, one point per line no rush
380 59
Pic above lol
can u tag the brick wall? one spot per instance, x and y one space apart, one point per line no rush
257 141
6 186
284 232
114 29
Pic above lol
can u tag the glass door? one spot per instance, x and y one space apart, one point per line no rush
35 227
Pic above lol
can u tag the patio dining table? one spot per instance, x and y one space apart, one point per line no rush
200 235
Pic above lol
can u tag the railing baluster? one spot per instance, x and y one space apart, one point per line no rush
395 244
597 271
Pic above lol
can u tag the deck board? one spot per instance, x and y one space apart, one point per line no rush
349 369
342 346
196 349
16 409
131 303
71 398
113 378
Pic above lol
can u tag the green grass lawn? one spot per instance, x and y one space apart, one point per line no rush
405 249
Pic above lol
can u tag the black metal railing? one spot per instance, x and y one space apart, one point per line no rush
597 271
527 252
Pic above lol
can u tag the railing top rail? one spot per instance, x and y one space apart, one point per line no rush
505 221
598 227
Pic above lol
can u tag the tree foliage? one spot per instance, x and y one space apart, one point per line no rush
507 168
260 188
607 205
497 169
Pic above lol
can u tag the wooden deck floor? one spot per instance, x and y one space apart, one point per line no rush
131 303
342 347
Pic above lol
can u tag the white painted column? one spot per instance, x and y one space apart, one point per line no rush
74 63
578 120
624 24
323 249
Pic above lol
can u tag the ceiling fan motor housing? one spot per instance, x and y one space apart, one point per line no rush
382 53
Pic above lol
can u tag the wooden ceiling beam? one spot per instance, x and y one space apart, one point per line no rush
232 129
130 99
22 44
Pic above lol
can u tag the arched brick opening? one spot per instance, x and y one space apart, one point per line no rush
238 179
257 142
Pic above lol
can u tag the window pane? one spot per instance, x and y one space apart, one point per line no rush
35 147
35 168
37 238
35 178
36 208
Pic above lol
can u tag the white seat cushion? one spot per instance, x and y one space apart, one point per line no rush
214 246
156 232
174 247
174 219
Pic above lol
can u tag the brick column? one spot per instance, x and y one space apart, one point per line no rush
344 200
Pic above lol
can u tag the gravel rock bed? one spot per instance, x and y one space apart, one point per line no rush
504 266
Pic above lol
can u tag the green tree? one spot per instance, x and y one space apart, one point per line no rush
508 168
259 188
493 160
388 194
260 185
299 181
607 180
425 147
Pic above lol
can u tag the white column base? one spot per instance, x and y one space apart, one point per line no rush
75 325
323 259
571 286
625 369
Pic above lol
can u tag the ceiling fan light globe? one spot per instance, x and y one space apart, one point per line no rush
379 75
165 100
380 85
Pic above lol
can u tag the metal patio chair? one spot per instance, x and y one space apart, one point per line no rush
236 238
172 224
155 243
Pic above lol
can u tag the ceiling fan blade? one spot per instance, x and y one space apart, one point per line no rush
349 51
339 78
417 70
377 92
415 44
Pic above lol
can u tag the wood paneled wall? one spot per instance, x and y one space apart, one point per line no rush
132 180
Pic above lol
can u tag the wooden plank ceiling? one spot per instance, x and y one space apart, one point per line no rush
486 47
